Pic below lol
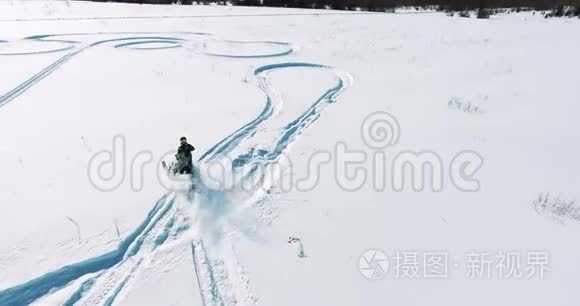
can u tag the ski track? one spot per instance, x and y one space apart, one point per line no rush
222 279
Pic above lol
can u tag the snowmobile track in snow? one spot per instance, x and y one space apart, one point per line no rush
174 39
104 279
216 285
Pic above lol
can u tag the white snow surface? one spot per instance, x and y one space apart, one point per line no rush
505 88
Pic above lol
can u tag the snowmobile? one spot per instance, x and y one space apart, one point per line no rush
179 166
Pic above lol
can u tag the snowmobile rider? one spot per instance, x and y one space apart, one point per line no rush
184 157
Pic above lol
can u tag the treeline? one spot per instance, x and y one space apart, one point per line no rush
557 8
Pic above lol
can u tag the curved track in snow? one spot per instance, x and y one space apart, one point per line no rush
127 40
222 280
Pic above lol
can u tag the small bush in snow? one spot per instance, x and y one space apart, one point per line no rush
557 208
570 12
465 14
558 11
561 11
468 107
483 13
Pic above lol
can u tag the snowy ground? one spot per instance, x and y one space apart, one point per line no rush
262 88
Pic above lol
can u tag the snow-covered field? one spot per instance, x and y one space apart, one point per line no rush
325 109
